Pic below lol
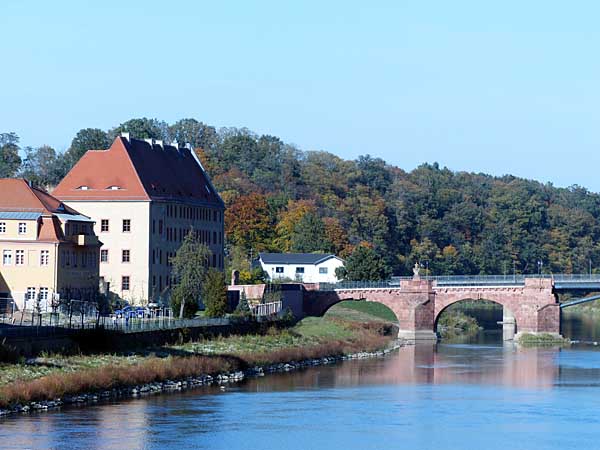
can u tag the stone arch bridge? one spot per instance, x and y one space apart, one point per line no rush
530 306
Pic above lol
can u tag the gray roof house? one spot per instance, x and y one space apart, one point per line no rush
305 267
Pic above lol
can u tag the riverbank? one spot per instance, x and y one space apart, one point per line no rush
52 381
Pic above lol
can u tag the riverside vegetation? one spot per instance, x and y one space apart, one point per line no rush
344 330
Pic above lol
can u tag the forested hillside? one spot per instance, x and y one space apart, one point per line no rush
281 198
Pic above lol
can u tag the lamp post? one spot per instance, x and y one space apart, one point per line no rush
426 268
540 265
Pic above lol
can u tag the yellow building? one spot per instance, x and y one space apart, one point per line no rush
47 250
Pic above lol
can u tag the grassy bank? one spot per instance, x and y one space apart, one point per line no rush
541 339
54 376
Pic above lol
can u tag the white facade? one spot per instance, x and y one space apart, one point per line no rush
115 241
321 272
141 238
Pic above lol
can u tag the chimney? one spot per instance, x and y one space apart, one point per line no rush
125 135
150 141
159 142
189 146
175 144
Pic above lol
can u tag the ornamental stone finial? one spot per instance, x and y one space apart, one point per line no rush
416 271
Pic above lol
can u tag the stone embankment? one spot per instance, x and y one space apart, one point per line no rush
221 380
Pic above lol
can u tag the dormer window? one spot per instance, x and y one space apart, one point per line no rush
83 188
113 188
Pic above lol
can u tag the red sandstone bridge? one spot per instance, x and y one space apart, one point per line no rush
530 303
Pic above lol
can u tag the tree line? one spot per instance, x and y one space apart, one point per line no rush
280 198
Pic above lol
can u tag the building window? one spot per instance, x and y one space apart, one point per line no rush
43 294
44 257
2 227
30 293
104 256
7 257
299 269
22 227
323 270
125 283
160 227
19 257
125 256
104 225
279 269
126 225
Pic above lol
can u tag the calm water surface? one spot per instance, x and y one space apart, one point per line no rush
447 396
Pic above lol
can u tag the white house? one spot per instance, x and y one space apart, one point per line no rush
305 267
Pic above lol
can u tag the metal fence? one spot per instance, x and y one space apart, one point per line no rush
266 309
470 280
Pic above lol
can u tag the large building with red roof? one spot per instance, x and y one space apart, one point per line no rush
145 196
48 249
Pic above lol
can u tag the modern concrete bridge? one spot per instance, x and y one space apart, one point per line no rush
530 302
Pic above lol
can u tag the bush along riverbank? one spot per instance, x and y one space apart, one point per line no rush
52 381
455 323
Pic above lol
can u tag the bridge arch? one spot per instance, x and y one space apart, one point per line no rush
507 314
344 297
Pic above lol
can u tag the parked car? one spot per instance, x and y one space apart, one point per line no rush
127 312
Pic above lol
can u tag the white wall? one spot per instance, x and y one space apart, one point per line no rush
311 271
115 240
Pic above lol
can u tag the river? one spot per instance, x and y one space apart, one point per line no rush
481 395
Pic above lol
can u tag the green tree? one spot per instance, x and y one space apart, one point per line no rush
198 134
43 166
309 235
214 294
86 139
363 265
10 161
190 270
243 308
143 128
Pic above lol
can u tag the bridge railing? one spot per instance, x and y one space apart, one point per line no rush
466 280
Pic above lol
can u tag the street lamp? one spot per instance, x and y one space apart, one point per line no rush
426 268
540 265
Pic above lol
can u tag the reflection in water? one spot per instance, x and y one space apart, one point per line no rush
456 396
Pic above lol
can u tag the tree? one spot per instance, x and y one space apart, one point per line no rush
288 219
243 308
363 265
10 161
86 139
143 128
190 270
214 294
43 166
248 223
190 131
309 235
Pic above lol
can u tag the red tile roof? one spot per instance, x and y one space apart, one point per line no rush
141 171
16 195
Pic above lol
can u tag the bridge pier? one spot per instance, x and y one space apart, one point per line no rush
509 324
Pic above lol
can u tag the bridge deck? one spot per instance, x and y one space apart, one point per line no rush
562 282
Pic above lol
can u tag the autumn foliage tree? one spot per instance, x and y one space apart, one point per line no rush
248 223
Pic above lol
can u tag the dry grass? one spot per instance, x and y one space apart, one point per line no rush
58 385
364 337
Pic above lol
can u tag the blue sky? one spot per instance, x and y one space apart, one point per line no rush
511 87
